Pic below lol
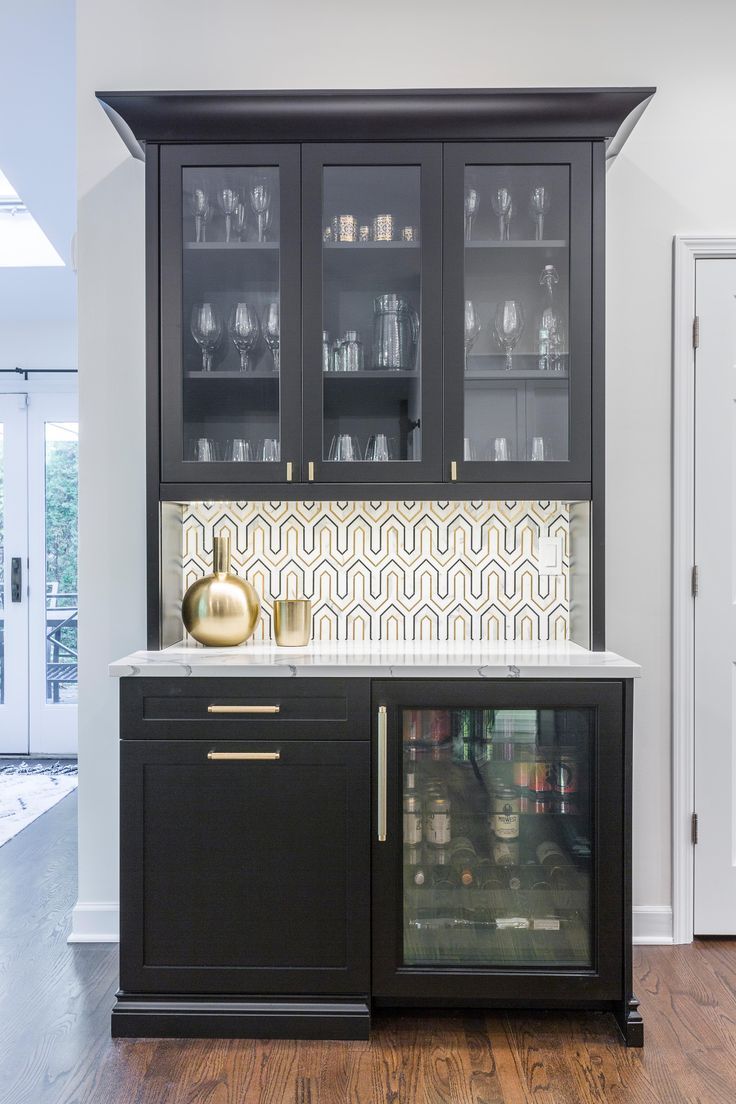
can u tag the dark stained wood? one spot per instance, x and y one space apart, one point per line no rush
55 1002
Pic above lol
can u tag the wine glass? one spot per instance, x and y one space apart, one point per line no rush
245 331
503 209
509 326
240 219
201 210
271 332
206 330
472 327
472 202
228 199
260 201
539 202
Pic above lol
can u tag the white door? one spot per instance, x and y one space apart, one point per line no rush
13 576
38 527
715 604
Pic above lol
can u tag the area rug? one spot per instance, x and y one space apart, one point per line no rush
29 789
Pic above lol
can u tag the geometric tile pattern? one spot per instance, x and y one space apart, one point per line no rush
394 570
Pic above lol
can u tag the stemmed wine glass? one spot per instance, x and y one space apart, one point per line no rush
472 202
539 202
245 331
472 327
271 332
260 201
503 209
206 330
201 210
240 219
228 199
509 326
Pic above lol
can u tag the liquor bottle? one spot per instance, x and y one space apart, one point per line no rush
445 876
415 871
463 857
551 327
556 864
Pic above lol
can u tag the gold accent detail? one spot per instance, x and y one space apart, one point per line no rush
243 708
260 755
310 468
289 471
221 609
292 622
453 470
382 768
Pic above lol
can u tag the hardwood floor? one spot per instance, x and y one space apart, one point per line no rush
55 1047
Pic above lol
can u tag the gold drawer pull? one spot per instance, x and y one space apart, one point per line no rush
243 708
243 754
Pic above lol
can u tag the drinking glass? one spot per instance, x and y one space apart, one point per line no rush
239 450
538 448
500 448
503 209
509 326
378 447
469 450
260 201
472 328
228 199
472 202
344 447
539 202
206 330
201 210
244 331
203 450
240 220
271 449
271 332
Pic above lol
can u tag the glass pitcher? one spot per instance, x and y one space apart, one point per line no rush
395 333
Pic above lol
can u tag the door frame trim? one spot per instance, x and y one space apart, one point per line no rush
687 250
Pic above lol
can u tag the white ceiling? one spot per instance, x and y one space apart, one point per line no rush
38 150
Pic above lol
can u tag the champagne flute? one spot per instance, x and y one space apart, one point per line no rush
228 200
503 209
539 203
244 331
260 201
472 326
206 329
472 202
201 210
509 326
271 332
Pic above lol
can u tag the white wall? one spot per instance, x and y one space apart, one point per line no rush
675 175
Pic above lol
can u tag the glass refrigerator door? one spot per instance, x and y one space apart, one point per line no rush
497 834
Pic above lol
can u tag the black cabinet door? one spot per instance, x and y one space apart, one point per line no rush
518 340
501 875
372 329
242 874
230 314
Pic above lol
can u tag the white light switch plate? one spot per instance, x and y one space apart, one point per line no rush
549 555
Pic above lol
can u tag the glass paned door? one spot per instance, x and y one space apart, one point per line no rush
370 321
13 576
229 232
519 340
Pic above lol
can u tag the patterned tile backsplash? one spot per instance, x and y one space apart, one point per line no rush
394 570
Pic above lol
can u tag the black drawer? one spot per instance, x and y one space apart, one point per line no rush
244 708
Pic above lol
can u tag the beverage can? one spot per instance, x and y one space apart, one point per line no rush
566 775
505 815
541 776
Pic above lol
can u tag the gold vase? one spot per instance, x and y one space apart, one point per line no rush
221 610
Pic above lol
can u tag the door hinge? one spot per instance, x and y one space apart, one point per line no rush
694 829
694 582
696 332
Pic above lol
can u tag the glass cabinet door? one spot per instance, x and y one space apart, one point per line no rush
230 313
518 311
497 837
371 283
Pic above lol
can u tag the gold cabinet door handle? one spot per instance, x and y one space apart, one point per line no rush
243 708
453 470
289 470
382 769
310 471
230 755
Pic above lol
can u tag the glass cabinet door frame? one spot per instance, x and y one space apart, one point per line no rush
174 160
315 158
401 983
578 157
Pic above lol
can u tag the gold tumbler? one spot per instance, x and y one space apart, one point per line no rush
292 622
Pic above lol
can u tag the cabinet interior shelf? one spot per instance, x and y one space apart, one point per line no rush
515 374
549 243
364 245
241 377
221 246
371 374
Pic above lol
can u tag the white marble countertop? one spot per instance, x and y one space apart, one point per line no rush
492 659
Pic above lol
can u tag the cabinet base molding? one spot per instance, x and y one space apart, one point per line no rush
135 1016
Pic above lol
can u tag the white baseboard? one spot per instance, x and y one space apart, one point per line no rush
652 924
95 922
